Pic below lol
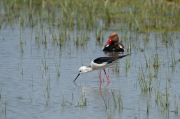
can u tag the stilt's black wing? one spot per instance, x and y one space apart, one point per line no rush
101 60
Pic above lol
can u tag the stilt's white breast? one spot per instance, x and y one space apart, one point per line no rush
96 66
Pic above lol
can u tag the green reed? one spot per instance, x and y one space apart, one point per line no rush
167 96
162 100
120 101
64 100
57 69
148 107
105 103
142 80
114 98
156 62
176 106
84 101
47 88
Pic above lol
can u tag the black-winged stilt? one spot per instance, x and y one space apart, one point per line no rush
113 44
99 64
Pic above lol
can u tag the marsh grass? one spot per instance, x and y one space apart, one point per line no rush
114 98
167 96
22 72
156 62
47 88
105 103
83 99
176 106
117 100
44 64
173 61
148 107
145 83
116 70
29 95
146 60
64 100
162 100
143 16
120 103
142 81
168 74
72 96
126 64
57 68
150 80
99 36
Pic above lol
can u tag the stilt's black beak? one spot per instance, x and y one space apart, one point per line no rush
76 77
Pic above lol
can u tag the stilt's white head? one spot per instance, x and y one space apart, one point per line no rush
83 70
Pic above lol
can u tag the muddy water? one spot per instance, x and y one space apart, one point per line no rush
31 88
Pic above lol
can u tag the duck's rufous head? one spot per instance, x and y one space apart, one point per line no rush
113 37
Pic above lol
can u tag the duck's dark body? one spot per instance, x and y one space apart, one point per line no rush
111 47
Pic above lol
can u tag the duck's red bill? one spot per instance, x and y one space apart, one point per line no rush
109 41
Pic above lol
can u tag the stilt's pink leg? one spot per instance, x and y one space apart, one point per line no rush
106 76
108 83
100 77
100 86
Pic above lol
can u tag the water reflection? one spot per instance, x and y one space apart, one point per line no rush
113 54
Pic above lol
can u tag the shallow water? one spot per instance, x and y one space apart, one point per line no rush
25 82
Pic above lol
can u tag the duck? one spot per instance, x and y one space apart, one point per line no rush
113 44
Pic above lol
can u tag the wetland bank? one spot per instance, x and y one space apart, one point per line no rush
43 43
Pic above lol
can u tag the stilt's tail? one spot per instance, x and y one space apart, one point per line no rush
123 56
